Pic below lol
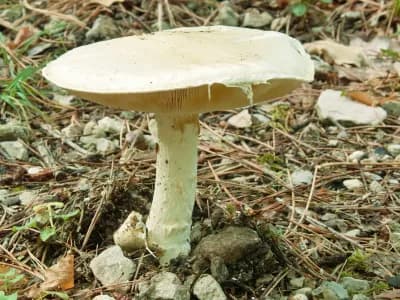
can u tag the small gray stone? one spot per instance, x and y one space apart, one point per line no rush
360 297
305 291
330 290
207 288
103 297
299 177
103 28
298 297
7 199
227 15
241 120
72 131
353 233
352 15
253 18
353 184
354 286
260 119
376 187
15 150
112 267
89 128
105 146
28 197
110 125
393 149
13 131
297 282
356 156
392 108
231 244
163 286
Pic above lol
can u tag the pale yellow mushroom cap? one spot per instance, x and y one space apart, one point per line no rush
194 69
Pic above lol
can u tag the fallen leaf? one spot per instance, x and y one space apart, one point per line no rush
338 54
22 35
106 2
362 97
60 276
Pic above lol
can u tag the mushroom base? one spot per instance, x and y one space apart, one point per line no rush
170 218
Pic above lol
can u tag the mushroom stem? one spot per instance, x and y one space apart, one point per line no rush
170 219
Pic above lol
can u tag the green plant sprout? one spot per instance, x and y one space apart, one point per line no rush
300 8
44 219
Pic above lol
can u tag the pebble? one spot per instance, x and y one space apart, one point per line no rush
105 146
241 120
376 187
231 244
103 28
353 285
299 177
112 267
15 150
13 131
227 15
353 184
393 149
330 290
163 286
253 18
356 156
297 282
110 125
207 288
103 297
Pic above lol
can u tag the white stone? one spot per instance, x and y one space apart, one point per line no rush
356 156
15 150
207 288
332 105
110 125
394 149
299 177
241 120
353 184
353 233
376 187
72 131
105 146
112 267
163 286
89 128
103 297
27 197
253 18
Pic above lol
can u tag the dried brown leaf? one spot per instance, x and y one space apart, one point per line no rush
60 276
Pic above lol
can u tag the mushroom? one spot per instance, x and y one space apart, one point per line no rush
178 74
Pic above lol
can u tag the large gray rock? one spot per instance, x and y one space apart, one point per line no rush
112 267
163 286
355 286
230 244
253 18
334 106
15 150
207 288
